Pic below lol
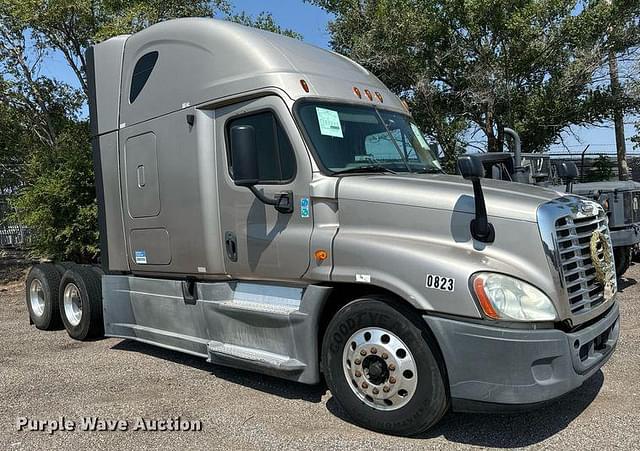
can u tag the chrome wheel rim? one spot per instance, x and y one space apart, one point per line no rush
72 304
36 297
380 368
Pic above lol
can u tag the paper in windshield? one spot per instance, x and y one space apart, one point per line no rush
329 122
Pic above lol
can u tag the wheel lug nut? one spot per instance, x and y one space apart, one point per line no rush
358 374
386 389
357 361
365 385
392 367
376 391
374 351
392 380
385 355
363 352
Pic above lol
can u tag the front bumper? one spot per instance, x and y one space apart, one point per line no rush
513 367
625 237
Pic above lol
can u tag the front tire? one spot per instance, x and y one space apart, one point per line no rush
380 364
622 257
81 303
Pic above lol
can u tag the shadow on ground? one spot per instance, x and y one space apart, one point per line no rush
266 384
486 430
513 430
626 282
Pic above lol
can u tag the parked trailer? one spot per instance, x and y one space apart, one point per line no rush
269 205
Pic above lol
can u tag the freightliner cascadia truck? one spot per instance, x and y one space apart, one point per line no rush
268 205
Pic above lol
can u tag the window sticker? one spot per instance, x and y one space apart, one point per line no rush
329 122
419 135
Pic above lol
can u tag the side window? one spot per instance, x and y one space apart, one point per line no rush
141 73
276 159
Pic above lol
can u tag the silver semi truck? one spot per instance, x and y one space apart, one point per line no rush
268 205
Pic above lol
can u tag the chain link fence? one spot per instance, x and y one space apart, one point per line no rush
12 233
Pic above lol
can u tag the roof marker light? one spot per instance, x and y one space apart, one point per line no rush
369 95
379 96
356 91
304 85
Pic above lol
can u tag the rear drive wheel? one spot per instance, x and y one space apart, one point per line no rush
42 296
622 256
81 303
380 364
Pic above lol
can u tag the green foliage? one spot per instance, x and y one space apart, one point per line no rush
58 200
263 21
602 170
533 65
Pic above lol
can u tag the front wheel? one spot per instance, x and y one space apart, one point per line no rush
381 366
622 257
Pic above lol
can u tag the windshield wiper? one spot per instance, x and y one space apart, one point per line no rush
429 171
366 168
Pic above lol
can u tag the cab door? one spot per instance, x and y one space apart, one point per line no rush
258 241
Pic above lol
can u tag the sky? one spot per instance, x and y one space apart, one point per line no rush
311 21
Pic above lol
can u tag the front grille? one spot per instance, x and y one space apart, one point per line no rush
631 202
573 236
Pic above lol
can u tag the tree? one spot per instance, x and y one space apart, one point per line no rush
533 65
44 140
602 170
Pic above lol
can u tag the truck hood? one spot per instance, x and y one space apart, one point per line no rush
446 192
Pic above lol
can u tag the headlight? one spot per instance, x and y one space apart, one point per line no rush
507 298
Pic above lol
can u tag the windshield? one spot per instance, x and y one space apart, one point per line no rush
350 138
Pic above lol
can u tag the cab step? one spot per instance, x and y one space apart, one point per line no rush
249 358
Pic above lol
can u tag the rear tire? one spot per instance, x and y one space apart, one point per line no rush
42 295
622 256
81 303
391 381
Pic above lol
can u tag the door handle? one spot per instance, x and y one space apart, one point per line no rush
231 244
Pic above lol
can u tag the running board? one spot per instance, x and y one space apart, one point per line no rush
252 359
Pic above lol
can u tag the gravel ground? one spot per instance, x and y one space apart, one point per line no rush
45 375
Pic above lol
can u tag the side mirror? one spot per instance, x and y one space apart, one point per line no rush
470 167
244 161
244 155
568 170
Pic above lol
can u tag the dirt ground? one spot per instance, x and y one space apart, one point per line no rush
47 375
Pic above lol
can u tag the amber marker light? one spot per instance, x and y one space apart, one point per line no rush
304 85
357 92
379 96
368 94
485 303
405 105
321 255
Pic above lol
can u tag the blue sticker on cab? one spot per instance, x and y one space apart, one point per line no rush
141 257
304 207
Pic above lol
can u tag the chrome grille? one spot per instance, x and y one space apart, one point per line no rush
573 235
